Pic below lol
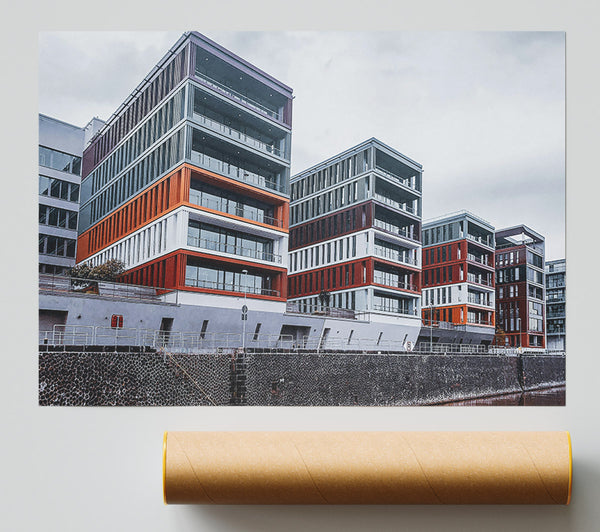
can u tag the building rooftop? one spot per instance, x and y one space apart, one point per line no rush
519 234
457 215
355 149
205 43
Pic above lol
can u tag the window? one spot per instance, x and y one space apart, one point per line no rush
59 160
57 188
52 245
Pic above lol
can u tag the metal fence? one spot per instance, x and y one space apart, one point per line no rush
60 284
199 342
87 335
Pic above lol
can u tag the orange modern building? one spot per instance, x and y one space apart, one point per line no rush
187 183
459 278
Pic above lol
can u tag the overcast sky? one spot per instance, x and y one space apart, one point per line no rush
484 113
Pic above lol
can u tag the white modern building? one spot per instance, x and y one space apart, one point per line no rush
60 149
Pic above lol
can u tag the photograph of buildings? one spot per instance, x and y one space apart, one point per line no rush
387 229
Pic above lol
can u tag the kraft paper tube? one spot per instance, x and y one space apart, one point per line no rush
367 467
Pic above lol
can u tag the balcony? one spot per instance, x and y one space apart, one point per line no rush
478 279
236 172
237 135
394 229
223 205
476 321
229 287
408 182
238 96
223 247
301 307
475 300
481 259
395 310
480 240
392 283
393 203
395 255
556 315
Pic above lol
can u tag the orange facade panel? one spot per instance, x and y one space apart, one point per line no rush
170 192
455 314
169 272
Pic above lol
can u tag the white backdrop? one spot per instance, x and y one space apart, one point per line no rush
93 469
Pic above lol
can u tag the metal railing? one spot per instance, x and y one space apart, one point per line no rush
479 322
299 307
478 301
395 310
236 134
61 284
232 93
395 229
395 255
480 259
427 347
222 205
80 335
204 342
393 203
478 279
480 240
236 172
386 281
224 247
230 287
407 182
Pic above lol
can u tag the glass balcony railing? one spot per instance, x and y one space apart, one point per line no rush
224 205
394 255
229 287
408 182
394 203
485 241
238 96
236 172
480 259
478 321
233 249
479 301
395 310
478 279
387 281
395 229
237 135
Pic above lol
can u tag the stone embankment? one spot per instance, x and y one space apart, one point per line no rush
149 378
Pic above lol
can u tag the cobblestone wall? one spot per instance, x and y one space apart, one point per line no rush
543 370
133 379
333 379
325 379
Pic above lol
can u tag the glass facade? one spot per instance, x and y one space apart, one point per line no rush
59 160
57 188
231 203
387 303
201 276
58 246
164 157
216 238
57 217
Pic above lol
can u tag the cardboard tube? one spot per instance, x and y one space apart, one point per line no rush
367 467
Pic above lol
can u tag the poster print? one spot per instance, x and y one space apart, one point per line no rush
304 218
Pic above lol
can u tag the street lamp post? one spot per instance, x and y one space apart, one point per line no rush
244 310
